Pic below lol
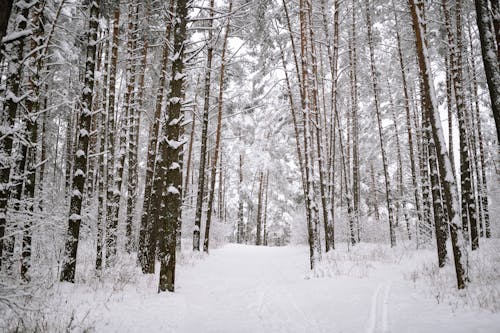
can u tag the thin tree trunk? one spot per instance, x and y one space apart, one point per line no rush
218 131
204 133
110 203
388 196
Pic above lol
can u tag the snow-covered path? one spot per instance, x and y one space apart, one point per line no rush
261 289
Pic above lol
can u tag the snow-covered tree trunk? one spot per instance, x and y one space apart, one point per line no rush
13 49
171 148
376 92
148 230
264 213
483 186
258 237
240 229
311 206
204 131
217 149
353 78
103 143
468 203
29 149
491 54
445 171
111 206
149 220
131 104
80 158
5 12
401 202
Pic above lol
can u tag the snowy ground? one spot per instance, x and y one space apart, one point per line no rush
240 288
263 289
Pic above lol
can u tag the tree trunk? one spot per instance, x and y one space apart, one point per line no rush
447 178
491 56
13 51
467 199
204 133
110 202
217 133
375 85
80 159
148 232
171 151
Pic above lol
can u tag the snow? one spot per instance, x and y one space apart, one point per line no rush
241 288
173 190
174 144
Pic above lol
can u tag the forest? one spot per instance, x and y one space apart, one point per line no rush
246 165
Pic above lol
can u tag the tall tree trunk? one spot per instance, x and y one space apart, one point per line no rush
13 50
111 206
32 110
80 161
264 215
149 227
354 128
240 229
467 199
406 97
258 236
388 196
204 133
311 207
491 56
217 133
5 11
447 178
171 151
103 170
483 186
135 64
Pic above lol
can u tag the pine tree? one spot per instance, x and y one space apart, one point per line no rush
446 177
487 24
171 151
80 160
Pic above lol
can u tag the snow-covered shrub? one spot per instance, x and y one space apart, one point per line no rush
483 291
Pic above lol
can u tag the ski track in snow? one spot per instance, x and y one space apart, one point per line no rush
378 321
249 289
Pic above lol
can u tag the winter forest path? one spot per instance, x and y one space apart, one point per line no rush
264 289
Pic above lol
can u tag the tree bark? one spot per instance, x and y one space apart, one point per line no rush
80 159
447 178
171 151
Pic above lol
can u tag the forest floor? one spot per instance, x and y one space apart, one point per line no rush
241 288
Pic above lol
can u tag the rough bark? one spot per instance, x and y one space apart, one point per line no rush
447 178
80 159
171 150
491 59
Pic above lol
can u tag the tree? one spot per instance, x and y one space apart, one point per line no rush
80 159
218 131
485 24
204 131
171 148
5 11
446 177
376 92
